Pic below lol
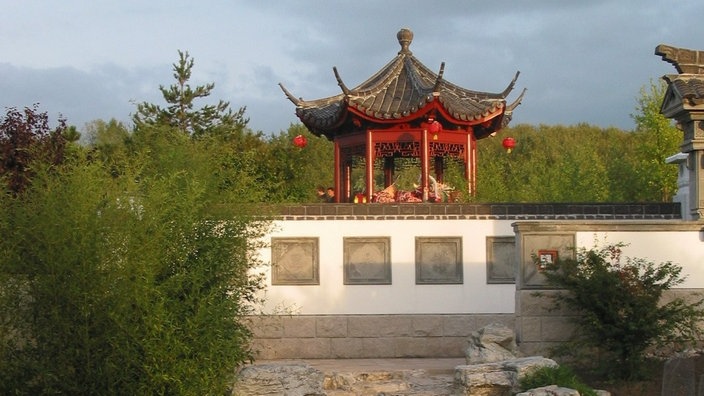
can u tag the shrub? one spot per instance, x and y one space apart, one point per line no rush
621 311
561 376
122 284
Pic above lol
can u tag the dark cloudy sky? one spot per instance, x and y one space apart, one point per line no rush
581 61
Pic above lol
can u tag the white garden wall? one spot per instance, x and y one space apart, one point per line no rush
328 318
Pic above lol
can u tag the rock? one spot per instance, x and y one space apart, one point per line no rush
492 343
552 390
488 379
683 374
498 378
527 365
295 379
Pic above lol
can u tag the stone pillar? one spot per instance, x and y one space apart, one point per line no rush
682 195
684 103
692 124
538 327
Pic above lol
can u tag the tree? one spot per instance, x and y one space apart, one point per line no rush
71 134
108 136
110 141
128 283
656 139
292 174
180 112
25 141
549 164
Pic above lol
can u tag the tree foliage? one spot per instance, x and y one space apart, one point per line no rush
583 163
127 270
561 376
126 283
657 138
26 141
552 164
292 174
620 307
180 111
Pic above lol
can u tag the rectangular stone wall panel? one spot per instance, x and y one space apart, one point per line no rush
500 259
295 261
561 244
367 261
438 260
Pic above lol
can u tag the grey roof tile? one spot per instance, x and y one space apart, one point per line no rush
397 90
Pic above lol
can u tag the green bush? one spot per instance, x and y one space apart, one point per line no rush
123 283
561 376
621 312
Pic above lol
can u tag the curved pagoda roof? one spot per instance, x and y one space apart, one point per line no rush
403 91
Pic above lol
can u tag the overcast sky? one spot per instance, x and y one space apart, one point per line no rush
581 61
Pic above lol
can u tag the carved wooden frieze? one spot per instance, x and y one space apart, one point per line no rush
402 148
441 149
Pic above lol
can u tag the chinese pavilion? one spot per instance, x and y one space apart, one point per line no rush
405 110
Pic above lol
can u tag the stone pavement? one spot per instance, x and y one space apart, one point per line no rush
430 365
397 376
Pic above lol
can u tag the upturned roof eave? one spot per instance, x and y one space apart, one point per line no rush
438 109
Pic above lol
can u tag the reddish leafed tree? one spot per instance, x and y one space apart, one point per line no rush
25 137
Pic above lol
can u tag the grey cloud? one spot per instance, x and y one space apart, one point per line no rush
580 61
78 96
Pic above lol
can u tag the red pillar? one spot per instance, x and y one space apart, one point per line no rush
369 165
424 163
338 172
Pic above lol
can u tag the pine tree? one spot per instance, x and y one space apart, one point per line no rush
180 112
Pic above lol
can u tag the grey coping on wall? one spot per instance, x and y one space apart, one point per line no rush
486 211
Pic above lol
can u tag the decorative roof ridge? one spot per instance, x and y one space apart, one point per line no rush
386 74
686 61
436 87
511 85
342 85
516 102
289 95
480 95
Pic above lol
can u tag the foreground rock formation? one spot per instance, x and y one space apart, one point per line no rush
492 343
279 379
492 369
498 378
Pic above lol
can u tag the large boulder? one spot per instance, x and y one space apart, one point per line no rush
492 343
294 379
498 378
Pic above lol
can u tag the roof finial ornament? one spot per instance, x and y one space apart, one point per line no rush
404 36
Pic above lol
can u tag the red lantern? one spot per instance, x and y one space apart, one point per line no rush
434 127
509 143
300 141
